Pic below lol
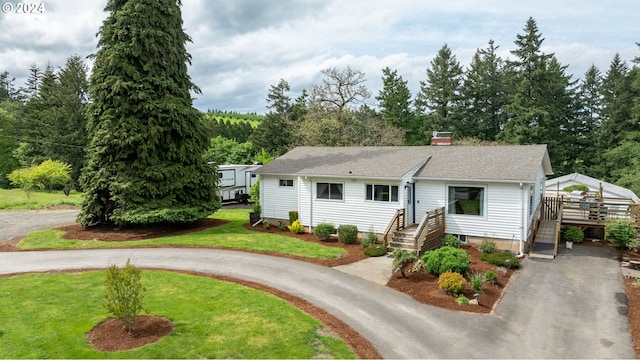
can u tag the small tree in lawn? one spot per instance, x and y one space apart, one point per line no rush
123 297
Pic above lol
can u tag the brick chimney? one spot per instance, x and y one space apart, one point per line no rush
441 138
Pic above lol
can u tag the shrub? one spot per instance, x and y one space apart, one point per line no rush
574 234
281 225
580 187
401 259
347 234
502 258
123 296
254 196
375 250
293 216
323 231
476 280
369 239
491 277
462 300
451 240
634 244
296 227
487 246
451 282
446 259
620 232
266 224
49 175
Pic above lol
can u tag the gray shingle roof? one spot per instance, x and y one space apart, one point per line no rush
369 161
504 163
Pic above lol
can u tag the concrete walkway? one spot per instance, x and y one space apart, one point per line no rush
551 310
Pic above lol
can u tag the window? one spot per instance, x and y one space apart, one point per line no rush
382 193
531 193
332 191
466 200
286 182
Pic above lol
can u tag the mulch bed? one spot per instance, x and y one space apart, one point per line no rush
110 335
423 287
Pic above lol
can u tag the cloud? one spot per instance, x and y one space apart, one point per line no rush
241 47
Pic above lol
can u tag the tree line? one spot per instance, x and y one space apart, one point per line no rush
591 125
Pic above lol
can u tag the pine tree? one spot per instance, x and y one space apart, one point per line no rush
588 120
144 161
439 96
542 102
484 93
395 104
274 133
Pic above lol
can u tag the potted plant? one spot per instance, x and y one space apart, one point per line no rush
571 235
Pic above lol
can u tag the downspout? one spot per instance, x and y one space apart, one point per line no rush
310 204
522 222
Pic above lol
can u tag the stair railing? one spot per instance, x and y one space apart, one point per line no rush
396 224
431 227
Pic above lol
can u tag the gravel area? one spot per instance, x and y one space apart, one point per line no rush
18 223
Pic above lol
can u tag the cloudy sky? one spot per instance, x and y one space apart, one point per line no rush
241 47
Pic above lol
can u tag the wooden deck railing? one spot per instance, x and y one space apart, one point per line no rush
590 212
431 228
396 223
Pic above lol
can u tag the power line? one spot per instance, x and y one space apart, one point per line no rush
42 141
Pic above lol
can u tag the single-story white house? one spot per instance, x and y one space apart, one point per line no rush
554 187
487 191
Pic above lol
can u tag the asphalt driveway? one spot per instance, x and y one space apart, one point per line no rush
545 314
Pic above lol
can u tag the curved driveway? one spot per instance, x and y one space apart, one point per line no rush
571 307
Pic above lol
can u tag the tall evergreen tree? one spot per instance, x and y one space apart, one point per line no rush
71 97
542 102
439 96
274 133
395 104
145 160
7 87
33 83
618 99
588 120
484 94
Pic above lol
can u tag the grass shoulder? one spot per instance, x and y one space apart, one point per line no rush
231 235
212 319
17 199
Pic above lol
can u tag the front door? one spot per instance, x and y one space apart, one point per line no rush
410 214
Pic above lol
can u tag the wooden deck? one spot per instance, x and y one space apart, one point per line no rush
557 212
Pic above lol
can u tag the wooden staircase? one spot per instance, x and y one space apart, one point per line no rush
404 238
416 237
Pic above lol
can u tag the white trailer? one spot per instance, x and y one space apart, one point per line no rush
235 181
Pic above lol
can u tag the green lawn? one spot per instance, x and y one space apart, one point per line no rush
16 199
232 235
48 316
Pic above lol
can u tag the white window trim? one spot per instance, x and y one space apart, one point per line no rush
373 193
315 188
485 203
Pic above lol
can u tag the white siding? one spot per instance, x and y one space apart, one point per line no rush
276 201
353 209
503 204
